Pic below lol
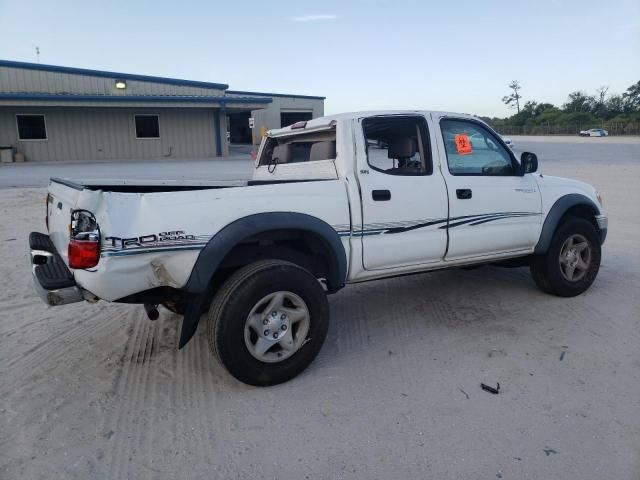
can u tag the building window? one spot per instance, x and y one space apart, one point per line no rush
147 126
31 127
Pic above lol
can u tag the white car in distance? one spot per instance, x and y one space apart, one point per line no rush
594 132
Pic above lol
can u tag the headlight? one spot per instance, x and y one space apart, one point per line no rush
599 197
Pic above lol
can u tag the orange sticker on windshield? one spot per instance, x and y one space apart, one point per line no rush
463 144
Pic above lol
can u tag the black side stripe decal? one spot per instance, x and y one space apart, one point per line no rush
471 220
414 227
479 219
498 218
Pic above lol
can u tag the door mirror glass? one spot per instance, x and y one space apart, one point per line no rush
529 162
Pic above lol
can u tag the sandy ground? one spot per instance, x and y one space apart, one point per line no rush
98 391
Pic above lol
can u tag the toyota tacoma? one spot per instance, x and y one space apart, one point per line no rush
332 201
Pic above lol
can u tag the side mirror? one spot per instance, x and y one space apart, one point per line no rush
529 162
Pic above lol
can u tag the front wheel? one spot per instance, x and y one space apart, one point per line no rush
268 322
572 262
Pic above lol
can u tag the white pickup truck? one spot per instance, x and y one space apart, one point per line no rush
334 200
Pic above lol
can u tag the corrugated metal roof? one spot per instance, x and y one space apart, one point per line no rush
146 78
114 75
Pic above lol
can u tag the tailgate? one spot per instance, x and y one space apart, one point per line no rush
62 199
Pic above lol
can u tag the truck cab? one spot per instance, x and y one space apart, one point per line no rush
426 189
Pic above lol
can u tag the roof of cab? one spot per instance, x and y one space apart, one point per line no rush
330 120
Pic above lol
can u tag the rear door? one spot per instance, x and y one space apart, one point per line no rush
493 208
404 199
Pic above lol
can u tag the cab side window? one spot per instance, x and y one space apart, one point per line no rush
398 144
474 150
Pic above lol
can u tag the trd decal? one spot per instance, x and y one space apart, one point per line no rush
153 239
153 243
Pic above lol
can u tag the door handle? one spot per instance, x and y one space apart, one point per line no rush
463 193
381 195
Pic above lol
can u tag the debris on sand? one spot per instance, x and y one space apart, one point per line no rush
490 389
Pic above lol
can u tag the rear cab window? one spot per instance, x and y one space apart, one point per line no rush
299 147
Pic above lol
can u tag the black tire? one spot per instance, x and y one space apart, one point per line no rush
234 301
546 269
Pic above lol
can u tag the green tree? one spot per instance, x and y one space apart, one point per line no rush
543 107
530 107
601 94
550 116
599 106
513 100
578 102
632 98
620 112
544 114
615 105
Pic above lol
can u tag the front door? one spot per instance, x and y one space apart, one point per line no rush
493 209
404 201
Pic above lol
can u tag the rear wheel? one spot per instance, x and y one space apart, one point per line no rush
268 321
572 262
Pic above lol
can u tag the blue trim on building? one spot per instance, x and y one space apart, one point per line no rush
228 99
220 100
310 97
114 75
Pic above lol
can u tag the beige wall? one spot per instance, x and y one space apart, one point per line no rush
79 134
269 118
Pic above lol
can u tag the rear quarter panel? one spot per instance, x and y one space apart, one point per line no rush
136 266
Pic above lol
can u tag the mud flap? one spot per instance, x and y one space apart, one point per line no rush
191 318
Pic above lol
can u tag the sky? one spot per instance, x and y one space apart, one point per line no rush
361 54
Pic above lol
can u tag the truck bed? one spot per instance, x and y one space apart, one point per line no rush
148 186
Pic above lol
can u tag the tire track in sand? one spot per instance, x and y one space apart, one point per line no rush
53 348
187 393
123 413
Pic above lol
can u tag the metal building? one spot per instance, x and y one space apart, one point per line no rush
282 111
53 113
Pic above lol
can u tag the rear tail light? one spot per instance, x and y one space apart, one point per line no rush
84 242
84 253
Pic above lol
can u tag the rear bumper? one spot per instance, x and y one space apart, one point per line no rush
52 280
56 296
